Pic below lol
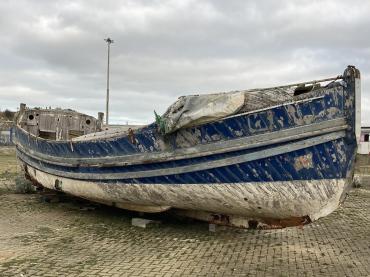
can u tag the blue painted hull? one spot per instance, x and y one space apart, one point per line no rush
313 139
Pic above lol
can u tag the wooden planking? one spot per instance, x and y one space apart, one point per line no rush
188 168
198 151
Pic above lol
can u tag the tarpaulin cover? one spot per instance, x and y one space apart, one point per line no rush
195 110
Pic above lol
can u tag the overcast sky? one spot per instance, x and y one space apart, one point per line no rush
52 53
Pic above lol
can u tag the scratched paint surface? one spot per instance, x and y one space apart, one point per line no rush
149 140
254 200
325 161
328 160
310 180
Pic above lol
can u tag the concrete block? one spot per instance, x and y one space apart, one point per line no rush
215 228
144 223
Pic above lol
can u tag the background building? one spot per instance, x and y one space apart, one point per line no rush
364 147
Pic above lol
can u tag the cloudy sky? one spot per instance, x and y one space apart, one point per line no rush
52 53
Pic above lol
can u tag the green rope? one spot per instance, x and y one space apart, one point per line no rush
160 122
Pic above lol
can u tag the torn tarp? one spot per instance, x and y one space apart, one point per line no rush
193 110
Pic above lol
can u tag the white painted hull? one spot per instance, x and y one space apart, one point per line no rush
278 200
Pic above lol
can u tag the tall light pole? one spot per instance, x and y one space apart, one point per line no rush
109 41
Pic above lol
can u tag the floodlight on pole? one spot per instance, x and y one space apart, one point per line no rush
109 41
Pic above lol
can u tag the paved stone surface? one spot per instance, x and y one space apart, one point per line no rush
61 239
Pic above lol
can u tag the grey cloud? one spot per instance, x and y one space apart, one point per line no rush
53 52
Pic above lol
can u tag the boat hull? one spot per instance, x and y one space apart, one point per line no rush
260 201
290 163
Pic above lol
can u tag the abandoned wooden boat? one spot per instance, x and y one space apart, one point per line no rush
275 157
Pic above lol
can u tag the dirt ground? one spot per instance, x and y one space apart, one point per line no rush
43 237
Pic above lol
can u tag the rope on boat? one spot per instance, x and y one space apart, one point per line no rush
299 84
254 99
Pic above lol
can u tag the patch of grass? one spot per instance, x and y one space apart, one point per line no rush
18 262
22 185
65 243
66 240
90 261
44 230
27 239
8 175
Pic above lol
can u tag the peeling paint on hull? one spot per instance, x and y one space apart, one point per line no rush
284 164
277 200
